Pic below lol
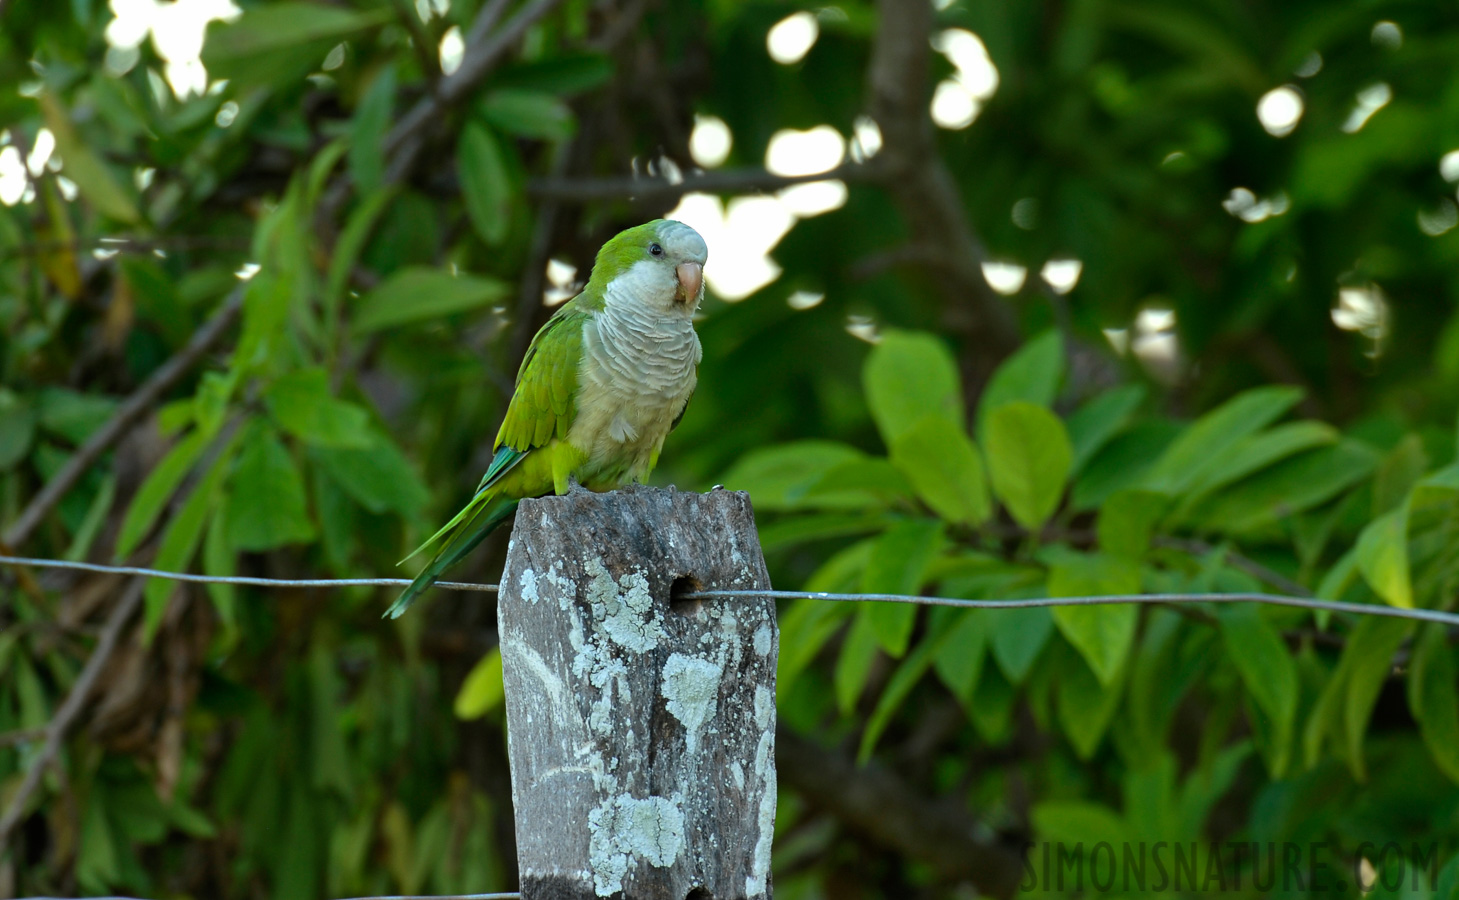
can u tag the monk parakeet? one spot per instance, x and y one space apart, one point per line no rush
602 384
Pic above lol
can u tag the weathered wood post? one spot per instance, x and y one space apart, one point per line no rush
641 728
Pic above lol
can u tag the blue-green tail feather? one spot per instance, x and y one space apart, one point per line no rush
462 540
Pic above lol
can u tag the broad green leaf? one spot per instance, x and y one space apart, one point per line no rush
1126 521
161 483
529 114
1267 669
90 175
1031 375
1397 473
873 478
367 132
1102 634
219 561
1216 433
897 564
183 535
357 230
210 402
991 711
1087 704
1433 698
266 506
959 661
1383 557
907 376
96 516
943 465
781 476
482 691
804 630
570 73
73 415
1028 461
486 182
416 294
1291 486
1447 887
1018 636
377 476
1096 422
302 405
263 31
1372 663
1255 452
17 429
908 673
858 652
1123 462
1071 821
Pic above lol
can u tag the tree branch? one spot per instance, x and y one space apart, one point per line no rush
888 811
922 185
65 718
127 415
730 181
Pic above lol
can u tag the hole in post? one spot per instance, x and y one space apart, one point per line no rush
685 606
699 893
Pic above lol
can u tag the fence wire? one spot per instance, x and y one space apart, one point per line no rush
1336 606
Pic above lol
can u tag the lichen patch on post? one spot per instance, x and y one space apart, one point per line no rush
691 687
625 608
528 580
624 830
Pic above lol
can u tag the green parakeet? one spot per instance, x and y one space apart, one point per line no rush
602 384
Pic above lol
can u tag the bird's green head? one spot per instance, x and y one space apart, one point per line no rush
659 264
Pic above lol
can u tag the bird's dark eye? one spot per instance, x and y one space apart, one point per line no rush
655 249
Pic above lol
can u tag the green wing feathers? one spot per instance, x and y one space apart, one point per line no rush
544 404
542 408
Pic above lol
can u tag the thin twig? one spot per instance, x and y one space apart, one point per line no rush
65 717
1338 606
128 414
730 181
405 141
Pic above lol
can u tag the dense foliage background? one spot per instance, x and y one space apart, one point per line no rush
1240 372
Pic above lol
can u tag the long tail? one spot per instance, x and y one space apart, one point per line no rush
461 534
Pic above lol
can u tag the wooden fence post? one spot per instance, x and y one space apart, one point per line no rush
641 728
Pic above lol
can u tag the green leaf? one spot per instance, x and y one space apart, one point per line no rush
1087 704
1447 887
1346 702
377 476
908 376
874 479
266 507
1071 821
1433 698
944 468
1105 415
73 415
161 483
1291 486
780 477
564 75
1397 473
1102 634
858 652
1126 521
1267 669
352 238
1214 434
1255 452
181 538
804 630
1028 461
91 176
898 687
219 562
897 564
301 404
1383 557
1031 375
486 182
482 691
529 114
263 31
367 132
17 429
417 293
959 661
1018 636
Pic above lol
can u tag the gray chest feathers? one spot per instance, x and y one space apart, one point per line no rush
638 372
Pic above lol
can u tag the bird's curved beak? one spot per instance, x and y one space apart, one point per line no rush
691 282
